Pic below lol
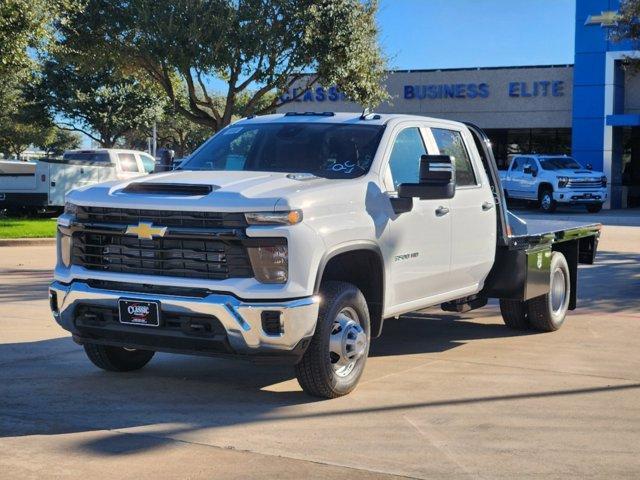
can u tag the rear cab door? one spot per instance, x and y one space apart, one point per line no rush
473 211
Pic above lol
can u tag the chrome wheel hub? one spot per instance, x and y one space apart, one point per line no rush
348 342
558 290
546 201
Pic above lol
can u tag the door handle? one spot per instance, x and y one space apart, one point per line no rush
487 206
440 211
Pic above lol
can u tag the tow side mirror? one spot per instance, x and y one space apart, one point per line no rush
437 179
528 170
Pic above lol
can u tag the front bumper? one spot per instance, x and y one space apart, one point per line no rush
242 331
573 196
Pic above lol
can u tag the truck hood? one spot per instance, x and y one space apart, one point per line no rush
230 191
582 173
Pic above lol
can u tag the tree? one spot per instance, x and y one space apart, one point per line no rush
96 100
56 141
25 25
256 47
27 125
628 28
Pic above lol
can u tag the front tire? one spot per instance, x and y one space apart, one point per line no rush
547 312
547 203
595 208
335 359
117 359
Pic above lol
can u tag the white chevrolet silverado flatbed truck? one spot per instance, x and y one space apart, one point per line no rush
293 237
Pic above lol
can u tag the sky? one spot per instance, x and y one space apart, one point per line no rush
428 34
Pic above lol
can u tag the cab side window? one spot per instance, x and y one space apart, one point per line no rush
450 142
148 162
405 156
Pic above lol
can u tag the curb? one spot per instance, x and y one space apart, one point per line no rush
26 242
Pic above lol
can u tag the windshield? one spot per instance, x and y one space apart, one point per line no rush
560 163
323 149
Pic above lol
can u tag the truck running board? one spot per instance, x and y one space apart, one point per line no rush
463 305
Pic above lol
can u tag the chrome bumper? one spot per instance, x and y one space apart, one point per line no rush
241 320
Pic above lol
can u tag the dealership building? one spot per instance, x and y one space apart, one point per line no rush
590 109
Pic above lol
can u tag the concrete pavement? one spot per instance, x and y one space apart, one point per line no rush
443 396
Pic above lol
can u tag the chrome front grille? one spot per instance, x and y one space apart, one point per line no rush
590 184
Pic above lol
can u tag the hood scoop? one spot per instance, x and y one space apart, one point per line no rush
181 189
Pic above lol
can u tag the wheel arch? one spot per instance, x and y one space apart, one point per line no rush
546 185
362 264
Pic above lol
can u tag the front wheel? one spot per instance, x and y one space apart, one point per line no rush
335 359
547 203
595 208
117 359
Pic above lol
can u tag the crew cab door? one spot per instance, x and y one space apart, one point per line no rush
417 244
472 211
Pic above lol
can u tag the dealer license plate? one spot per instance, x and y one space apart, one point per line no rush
139 312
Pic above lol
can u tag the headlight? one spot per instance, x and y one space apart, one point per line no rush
603 179
290 217
70 208
65 244
562 182
270 264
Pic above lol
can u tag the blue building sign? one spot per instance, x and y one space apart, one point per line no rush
456 90
543 88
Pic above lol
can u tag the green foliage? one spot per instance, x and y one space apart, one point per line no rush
25 123
258 47
96 100
628 28
24 25
56 141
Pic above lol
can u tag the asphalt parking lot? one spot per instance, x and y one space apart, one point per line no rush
443 396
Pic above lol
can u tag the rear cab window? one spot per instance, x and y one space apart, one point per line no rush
450 142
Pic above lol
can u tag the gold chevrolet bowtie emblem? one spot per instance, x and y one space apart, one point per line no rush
605 19
146 231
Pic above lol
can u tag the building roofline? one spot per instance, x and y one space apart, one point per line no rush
473 69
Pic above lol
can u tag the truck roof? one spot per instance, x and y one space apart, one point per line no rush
103 150
338 117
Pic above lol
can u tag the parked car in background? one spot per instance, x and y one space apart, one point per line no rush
27 187
554 179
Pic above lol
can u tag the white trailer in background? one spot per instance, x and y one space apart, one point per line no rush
43 184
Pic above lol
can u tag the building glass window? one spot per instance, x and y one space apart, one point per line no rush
508 142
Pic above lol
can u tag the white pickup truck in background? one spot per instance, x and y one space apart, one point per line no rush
42 185
293 237
554 179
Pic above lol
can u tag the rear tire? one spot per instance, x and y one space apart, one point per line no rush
548 312
117 359
515 314
343 326
547 203
595 208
